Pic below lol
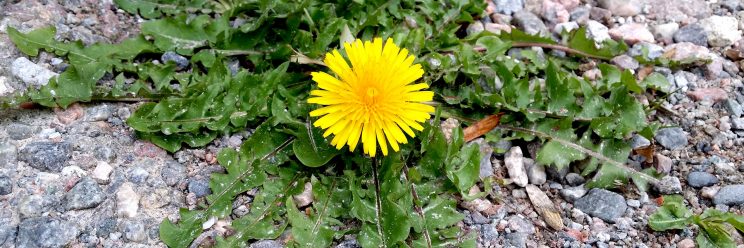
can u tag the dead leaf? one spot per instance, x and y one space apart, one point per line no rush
643 72
647 152
482 127
545 207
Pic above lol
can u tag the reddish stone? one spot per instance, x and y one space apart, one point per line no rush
148 150
709 94
69 115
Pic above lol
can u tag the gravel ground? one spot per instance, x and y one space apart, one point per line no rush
79 178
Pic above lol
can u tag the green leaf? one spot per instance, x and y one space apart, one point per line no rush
671 215
656 81
714 235
319 227
311 148
463 167
156 8
560 99
184 35
627 116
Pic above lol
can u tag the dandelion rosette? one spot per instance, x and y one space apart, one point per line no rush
373 100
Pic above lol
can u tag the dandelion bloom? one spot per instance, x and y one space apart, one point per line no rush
374 100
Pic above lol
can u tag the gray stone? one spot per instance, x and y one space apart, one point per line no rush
173 173
20 131
7 235
486 168
138 175
46 156
669 185
580 14
106 226
573 193
730 195
633 203
6 185
515 239
574 179
351 243
732 5
99 113
602 204
45 232
489 233
199 187
622 7
475 28
737 123
692 33
35 205
105 153
520 225
733 107
699 179
535 172
180 61
478 218
266 244
508 7
31 73
671 138
530 23
625 61
638 141
8 154
86 194
134 231
647 51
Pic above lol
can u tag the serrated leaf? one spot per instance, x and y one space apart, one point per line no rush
560 98
656 81
463 167
627 116
184 35
671 215
714 235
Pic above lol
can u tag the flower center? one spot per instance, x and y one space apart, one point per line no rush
369 98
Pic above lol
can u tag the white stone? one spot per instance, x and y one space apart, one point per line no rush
73 170
597 32
722 30
31 73
127 201
45 178
306 197
567 26
665 31
515 166
4 88
101 172
535 172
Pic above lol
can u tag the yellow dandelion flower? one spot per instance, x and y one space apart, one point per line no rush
374 100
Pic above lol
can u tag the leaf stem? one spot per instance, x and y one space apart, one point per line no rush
378 201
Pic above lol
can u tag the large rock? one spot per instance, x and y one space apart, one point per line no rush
46 156
45 232
730 195
722 30
602 204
